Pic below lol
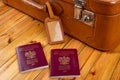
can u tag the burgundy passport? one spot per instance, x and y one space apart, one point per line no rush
64 63
31 57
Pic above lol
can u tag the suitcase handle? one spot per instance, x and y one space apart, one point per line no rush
43 7
36 4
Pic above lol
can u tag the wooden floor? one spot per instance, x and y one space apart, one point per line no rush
17 29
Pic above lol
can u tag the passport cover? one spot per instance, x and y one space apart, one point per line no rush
31 57
64 63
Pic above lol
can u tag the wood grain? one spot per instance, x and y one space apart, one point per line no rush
34 27
5 17
4 9
17 29
116 73
104 67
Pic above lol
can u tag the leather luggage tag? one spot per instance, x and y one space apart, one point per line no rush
54 27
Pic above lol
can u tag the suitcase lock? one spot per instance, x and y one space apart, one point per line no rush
80 13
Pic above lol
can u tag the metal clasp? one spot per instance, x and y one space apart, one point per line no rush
87 17
81 14
78 8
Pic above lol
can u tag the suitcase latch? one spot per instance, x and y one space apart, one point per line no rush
80 13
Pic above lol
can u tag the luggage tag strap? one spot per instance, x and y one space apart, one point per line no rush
50 10
54 27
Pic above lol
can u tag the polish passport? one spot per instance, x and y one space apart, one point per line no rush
64 63
31 57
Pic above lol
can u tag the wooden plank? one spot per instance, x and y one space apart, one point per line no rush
116 73
42 76
4 39
4 67
4 9
11 72
42 38
18 29
84 56
89 64
75 44
21 25
5 17
7 52
4 28
10 69
10 23
104 68
52 79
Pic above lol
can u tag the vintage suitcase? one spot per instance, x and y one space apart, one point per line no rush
94 22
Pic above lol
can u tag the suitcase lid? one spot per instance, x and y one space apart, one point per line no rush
105 7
